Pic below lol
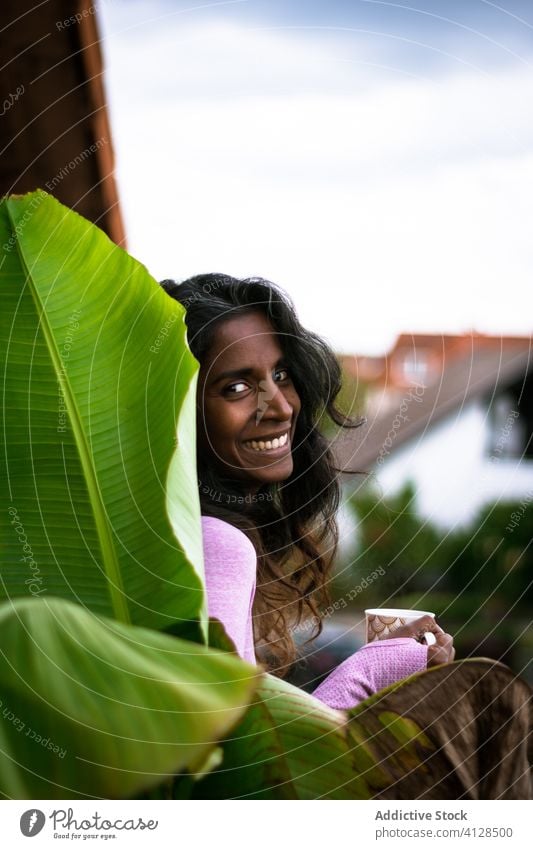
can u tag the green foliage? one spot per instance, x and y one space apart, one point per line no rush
490 557
98 483
473 576
93 707
393 536
397 744
100 505
350 401
287 746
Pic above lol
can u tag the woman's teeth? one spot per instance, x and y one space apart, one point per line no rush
267 445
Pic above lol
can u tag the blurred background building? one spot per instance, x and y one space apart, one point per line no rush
451 414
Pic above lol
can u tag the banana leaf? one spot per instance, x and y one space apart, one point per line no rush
455 731
96 477
288 745
90 707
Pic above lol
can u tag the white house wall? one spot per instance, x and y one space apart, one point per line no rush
452 472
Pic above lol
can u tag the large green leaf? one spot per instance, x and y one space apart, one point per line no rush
91 707
455 731
100 507
288 745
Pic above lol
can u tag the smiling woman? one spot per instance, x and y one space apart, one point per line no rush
269 489
264 467
269 492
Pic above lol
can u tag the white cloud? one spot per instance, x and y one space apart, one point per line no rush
400 205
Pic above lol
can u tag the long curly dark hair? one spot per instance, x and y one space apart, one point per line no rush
292 524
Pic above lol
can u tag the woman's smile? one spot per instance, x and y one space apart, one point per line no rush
248 402
270 445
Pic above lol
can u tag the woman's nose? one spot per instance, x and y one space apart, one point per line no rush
271 402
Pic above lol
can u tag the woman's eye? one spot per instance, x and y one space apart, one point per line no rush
238 388
231 388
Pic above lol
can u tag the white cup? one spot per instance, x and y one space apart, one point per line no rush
381 622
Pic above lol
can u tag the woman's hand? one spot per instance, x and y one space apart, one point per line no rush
443 650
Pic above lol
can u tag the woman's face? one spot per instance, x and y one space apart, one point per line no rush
247 402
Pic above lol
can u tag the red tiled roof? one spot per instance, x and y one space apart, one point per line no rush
437 351
486 366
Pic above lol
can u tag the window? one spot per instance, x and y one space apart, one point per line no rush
415 367
511 421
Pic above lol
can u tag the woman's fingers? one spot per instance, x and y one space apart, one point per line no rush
442 652
417 628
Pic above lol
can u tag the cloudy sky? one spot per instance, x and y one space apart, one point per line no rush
373 158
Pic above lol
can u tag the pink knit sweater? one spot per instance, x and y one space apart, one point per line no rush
230 575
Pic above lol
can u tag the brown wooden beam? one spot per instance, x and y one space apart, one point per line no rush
54 125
